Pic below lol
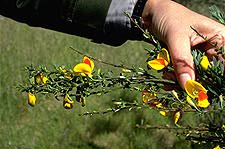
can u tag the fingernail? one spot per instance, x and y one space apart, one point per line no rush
183 78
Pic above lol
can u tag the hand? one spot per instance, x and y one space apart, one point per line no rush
171 23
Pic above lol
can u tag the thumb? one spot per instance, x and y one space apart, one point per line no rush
180 51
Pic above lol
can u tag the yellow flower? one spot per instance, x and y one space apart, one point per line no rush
193 88
196 90
40 79
163 113
31 99
147 96
177 116
205 63
44 80
68 102
84 68
217 147
162 60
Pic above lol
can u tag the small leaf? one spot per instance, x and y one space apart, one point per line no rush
217 13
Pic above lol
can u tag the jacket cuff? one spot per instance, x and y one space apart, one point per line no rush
117 24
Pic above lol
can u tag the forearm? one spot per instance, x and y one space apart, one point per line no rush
70 16
102 20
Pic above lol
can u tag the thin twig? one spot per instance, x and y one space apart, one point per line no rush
109 110
191 110
151 38
174 128
205 38
101 61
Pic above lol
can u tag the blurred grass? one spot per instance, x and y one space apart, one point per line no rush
48 125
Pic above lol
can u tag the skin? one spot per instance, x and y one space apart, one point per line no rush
171 23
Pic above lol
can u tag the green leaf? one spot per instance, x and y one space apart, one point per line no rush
217 14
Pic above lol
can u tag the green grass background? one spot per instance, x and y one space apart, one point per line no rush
48 124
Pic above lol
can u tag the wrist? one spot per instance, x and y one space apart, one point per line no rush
152 7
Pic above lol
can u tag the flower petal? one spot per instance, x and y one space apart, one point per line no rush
163 113
164 54
38 78
82 68
67 99
147 96
157 64
203 103
205 63
202 96
88 61
68 102
193 88
177 117
203 100
31 99
67 105
189 100
44 79
217 147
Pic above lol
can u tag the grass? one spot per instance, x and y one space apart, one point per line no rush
48 125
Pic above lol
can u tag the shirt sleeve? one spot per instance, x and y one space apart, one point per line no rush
117 24
102 21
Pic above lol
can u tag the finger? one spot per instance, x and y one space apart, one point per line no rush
221 58
180 51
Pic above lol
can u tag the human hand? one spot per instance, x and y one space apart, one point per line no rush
171 23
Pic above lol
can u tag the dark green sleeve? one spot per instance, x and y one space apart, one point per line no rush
80 17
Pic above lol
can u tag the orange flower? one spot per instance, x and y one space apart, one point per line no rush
162 60
196 90
85 68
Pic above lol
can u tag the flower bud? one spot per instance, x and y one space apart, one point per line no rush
31 99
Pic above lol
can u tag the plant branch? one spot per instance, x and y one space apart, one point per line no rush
172 127
101 61
205 38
